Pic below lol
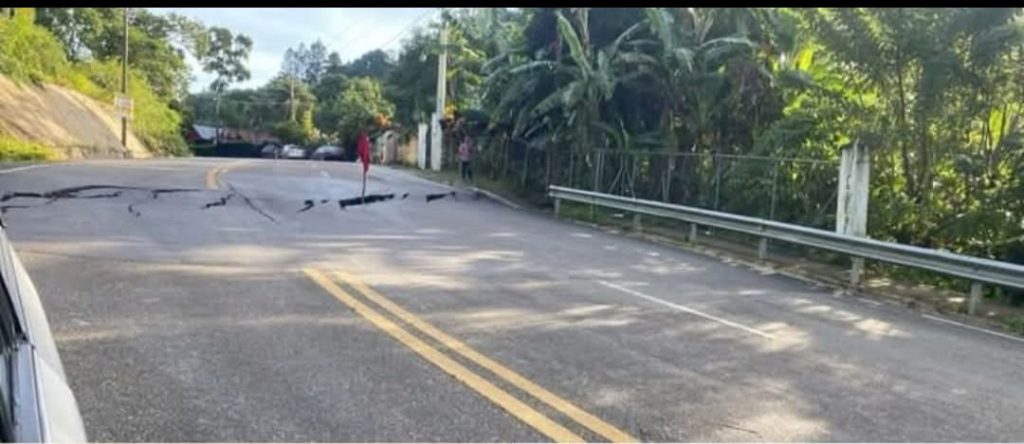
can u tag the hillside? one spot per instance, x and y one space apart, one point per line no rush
74 125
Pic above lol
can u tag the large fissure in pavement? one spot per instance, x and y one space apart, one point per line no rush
117 191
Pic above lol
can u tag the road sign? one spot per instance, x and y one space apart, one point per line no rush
124 106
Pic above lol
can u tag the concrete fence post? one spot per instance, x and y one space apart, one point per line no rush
852 199
972 302
436 142
421 146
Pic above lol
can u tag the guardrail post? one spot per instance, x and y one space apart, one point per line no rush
693 233
972 302
762 248
558 206
856 270
637 227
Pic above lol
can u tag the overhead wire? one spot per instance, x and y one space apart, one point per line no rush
409 26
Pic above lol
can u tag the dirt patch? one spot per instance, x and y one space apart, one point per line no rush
70 122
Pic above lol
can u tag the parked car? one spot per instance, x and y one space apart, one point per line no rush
329 152
271 151
38 405
293 152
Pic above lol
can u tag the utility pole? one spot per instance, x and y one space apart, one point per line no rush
124 82
442 68
216 118
436 149
291 95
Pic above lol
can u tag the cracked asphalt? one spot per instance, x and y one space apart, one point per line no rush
216 312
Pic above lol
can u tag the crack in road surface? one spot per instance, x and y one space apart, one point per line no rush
309 204
4 208
220 202
73 192
249 203
115 191
363 200
436 196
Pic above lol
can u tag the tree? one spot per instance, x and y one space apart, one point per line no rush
926 72
375 64
156 44
314 62
361 106
294 132
412 84
308 64
225 56
334 65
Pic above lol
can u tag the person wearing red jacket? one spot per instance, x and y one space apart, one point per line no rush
363 148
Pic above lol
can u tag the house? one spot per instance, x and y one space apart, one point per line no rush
201 135
206 134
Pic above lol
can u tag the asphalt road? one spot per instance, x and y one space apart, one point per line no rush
200 300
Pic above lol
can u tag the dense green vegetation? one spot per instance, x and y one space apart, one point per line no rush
314 99
82 48
681 104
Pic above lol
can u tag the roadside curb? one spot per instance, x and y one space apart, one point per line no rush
480 191
497 198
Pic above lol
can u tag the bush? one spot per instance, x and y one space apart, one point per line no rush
292 132
1016 324
29 52
153 121
12 149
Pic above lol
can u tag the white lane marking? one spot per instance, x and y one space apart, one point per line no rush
325 174
686 309
23 168
971 327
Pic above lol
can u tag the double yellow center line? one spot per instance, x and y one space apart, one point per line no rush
485 388
215 172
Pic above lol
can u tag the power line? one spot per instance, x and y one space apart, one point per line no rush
344 37
408 27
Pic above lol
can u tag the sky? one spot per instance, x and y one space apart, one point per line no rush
349 31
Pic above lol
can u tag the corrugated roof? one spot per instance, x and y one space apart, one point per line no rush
205 132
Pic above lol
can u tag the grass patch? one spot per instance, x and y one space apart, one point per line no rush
12 149
498 187
1015 324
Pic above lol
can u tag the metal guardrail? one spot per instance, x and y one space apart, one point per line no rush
975 269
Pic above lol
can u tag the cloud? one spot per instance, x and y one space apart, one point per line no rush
349 31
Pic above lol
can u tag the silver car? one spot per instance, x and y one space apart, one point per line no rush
328 152
38 405
293 152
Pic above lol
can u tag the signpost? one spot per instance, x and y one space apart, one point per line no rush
124 106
